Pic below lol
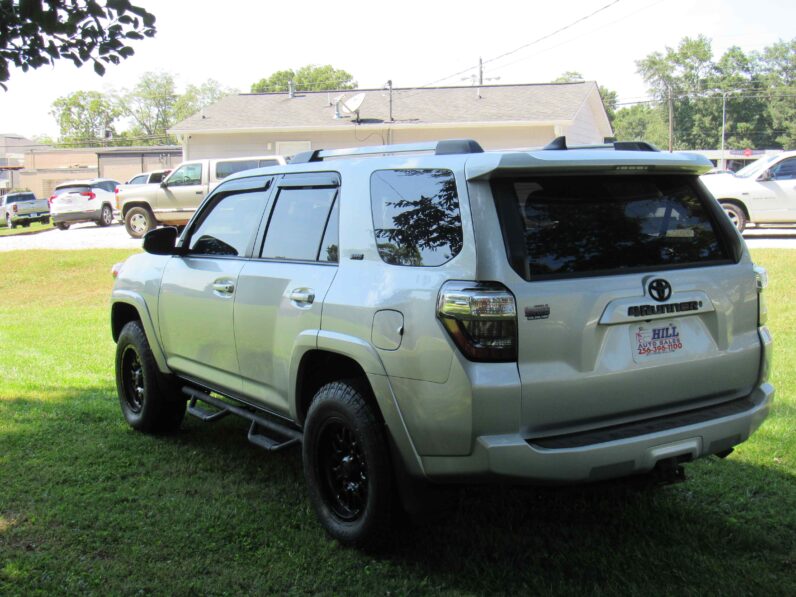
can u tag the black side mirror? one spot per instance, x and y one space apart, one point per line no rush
161 241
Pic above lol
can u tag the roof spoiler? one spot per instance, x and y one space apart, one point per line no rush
560 143
446 147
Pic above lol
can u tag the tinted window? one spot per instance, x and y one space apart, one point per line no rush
224 169
72 189
297 224
107 185
330 248
157 176
140 179
416 216
21 197
579 225
785 170
229 226
186 175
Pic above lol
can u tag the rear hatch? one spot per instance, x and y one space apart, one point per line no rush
73 198
634 301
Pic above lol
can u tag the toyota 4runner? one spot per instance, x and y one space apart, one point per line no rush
429 314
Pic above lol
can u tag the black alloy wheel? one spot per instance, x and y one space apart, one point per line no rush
342 470
133 380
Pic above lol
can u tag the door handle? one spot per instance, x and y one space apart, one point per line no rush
302 295
223 287
198 192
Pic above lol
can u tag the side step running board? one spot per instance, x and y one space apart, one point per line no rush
266 433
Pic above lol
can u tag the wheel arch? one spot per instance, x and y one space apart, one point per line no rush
127 307
128 205
738 203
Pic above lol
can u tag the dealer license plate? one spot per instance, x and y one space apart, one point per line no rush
654 340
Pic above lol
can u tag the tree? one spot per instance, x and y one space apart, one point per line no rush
35 33
151 107
197 97
85 117
307 78
641 122
776 68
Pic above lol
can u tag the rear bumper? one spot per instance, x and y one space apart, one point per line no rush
22 218
515 458
77 216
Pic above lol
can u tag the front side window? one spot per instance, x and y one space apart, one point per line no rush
598 225
298 225
785 170
416 216
186 175
229 226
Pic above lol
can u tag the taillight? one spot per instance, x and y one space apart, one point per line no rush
761 281
116 190
481 318
14 208
90 194
52 197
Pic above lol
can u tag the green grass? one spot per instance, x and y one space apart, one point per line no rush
34 227
87 506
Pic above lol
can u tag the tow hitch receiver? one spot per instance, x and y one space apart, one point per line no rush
669 471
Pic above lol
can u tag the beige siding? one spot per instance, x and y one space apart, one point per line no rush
42 182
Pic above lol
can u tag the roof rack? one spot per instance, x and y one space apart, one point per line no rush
560 143
446 147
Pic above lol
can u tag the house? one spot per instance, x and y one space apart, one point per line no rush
497 116
12 159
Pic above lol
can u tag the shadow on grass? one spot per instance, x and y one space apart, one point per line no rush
210 495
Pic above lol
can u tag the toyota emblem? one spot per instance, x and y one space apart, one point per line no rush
660 289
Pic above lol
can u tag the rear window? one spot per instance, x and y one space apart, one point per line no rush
72 189
593 225
224 169
21 197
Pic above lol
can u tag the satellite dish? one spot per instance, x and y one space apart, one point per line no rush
352 104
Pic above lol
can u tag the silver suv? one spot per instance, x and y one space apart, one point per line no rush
420 315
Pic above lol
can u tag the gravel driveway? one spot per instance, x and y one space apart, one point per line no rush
79 236
91 236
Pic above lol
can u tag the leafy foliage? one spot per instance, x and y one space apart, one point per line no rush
35 33
307 78
85 117
197 97
756 91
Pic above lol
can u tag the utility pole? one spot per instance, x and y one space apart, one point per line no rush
671 117
389 86
480 71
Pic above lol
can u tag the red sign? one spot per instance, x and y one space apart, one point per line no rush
747 152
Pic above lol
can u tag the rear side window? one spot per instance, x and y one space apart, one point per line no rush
157 176
299 223
416 216
224 169
594 225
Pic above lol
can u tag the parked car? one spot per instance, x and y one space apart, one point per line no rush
175 199
155 176
22 208
413 318
762 193
83 201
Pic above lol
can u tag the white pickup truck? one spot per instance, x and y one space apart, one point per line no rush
22 208
762 193
142 207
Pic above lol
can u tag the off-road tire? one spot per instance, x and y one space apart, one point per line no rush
106 216
340 410
736 215
147 400
138 221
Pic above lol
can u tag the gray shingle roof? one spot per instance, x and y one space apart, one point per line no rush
436 105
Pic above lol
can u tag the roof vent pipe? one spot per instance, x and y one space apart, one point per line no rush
291 89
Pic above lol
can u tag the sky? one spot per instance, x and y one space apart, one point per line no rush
413 43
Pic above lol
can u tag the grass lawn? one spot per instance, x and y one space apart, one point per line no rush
34 227
87 506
